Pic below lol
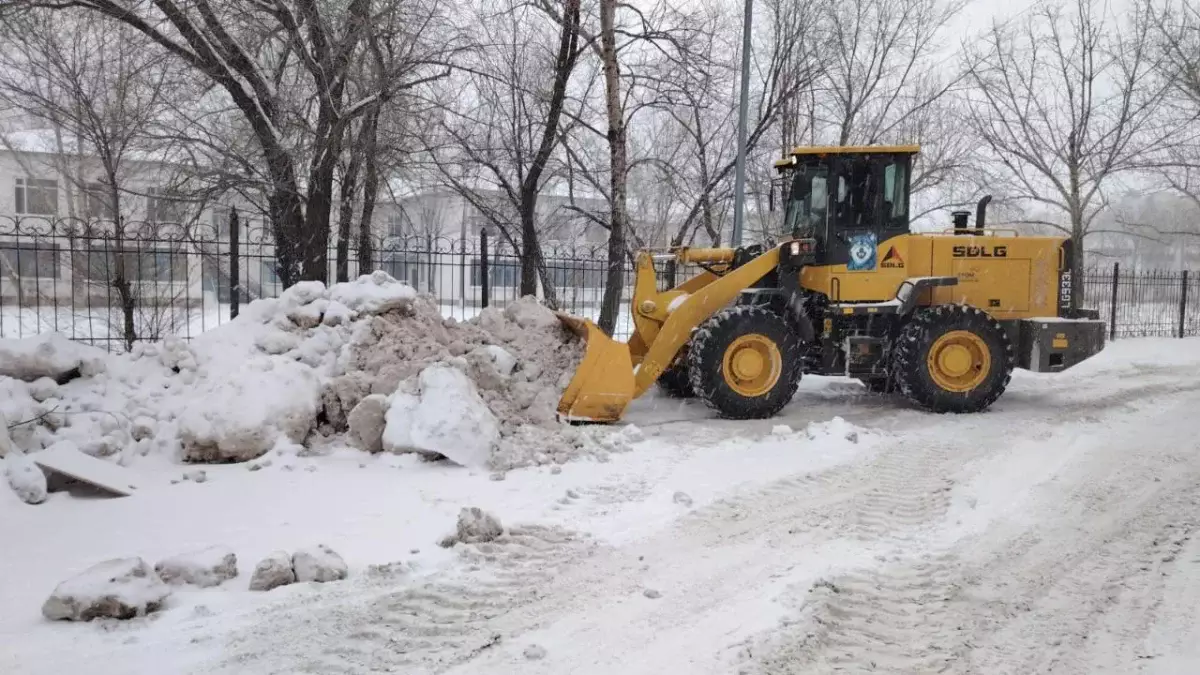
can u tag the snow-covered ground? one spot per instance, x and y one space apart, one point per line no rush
1052 533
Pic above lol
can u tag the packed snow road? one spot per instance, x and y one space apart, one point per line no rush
1052 534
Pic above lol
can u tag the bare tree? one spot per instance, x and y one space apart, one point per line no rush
675 95
246 48
104 89
502 128
883 65
1065 102
1175 27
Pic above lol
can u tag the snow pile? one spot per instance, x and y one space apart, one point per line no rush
482 393
369 361
49 355
232 394
204 568
122 588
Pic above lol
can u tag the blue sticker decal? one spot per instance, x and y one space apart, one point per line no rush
862 252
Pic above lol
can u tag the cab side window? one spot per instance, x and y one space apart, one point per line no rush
895 202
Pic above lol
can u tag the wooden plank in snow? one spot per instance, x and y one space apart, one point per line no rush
72 463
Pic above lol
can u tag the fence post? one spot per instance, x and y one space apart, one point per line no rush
1112 315
235 232
1183 304
483 266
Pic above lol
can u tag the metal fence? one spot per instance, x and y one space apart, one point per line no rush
110 287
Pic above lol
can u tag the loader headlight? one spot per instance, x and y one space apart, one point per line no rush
801 246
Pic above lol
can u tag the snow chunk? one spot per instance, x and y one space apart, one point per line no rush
25 478
781 430
319 563
528 313
398 423
535 652
239 420
336 314
122 588
836 427
367 421
677 302
204 568
475 526
49 355
6 444
272 572
631 433
373 294
302 293
492 365
43 388
447 417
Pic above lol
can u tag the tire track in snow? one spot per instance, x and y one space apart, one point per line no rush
1077 596
422 627
890 620
1089 607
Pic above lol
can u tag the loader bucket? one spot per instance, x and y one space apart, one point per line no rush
603 382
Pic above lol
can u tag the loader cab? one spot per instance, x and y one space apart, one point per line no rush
846 198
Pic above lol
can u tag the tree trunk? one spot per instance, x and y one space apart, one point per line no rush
346 213
287 224
529 247
369 143
314 245
533 264
120 280
614 280
1077 263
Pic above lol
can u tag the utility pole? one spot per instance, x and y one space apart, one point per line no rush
739 185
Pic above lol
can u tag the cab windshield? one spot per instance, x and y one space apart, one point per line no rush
807 201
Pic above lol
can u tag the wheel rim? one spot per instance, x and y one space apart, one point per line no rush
752 365
959 361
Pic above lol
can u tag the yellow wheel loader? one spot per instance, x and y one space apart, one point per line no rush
848 290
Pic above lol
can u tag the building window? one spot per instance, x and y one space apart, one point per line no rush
97 202
165 207
219 217
395 224
268 274
37 197
501 273
100 264
577 277
29 261
410 268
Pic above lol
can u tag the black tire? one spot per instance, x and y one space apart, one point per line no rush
706 361
911 368
675 381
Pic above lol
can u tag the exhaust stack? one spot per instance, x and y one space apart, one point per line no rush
981 213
